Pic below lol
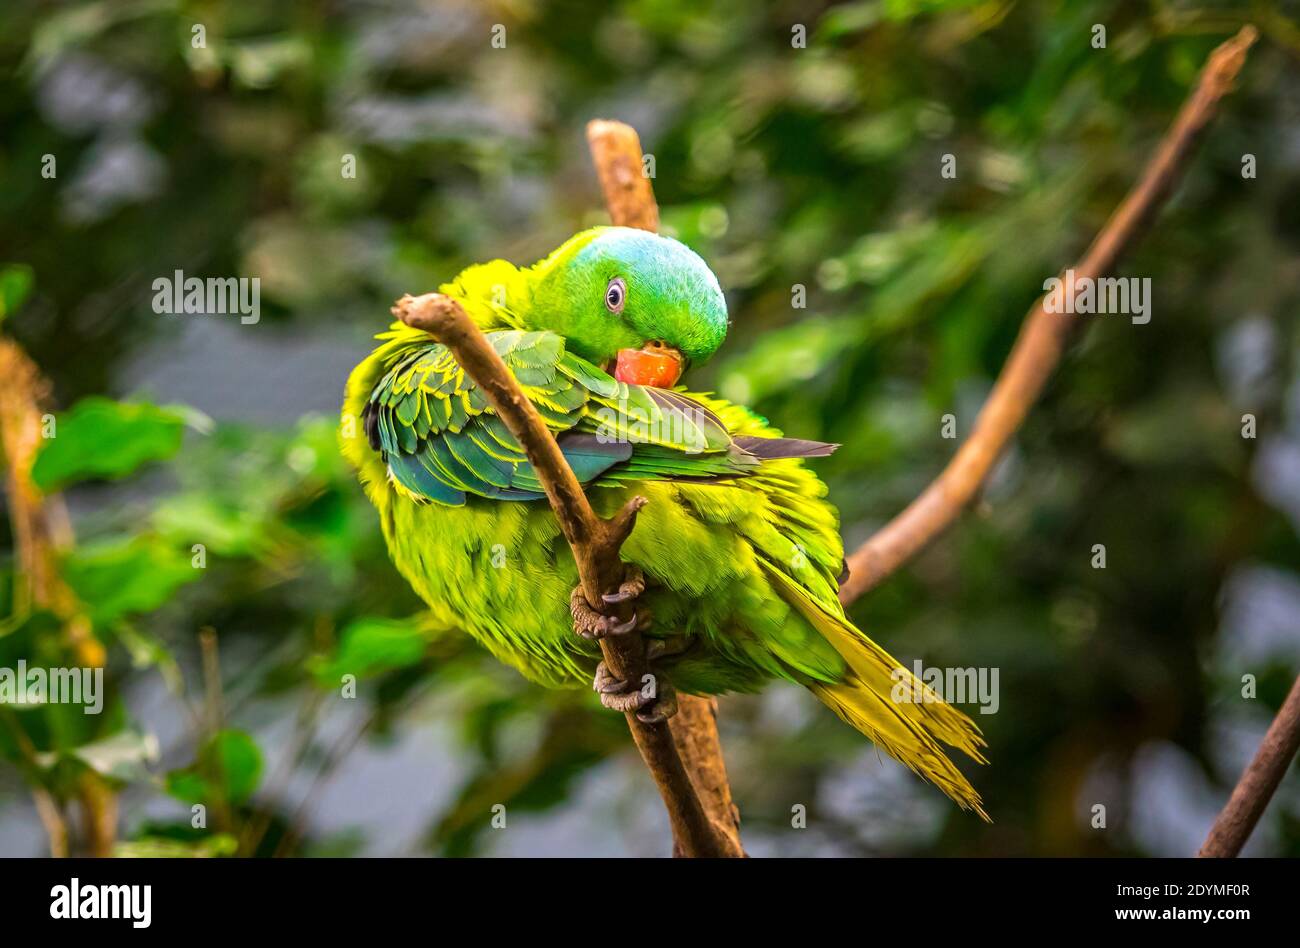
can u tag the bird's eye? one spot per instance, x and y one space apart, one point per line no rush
615 295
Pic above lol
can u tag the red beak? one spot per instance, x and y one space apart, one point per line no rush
654 364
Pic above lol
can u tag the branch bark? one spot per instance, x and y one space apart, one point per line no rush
1042 340
595 543
1258 782
629 195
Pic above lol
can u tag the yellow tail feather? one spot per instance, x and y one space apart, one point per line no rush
900 737
908 730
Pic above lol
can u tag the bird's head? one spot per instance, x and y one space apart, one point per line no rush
640 305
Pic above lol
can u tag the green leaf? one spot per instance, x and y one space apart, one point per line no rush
187 786
235 757
371 646
15 285
148 651
229 768
257 64
103 438
118 577
224 529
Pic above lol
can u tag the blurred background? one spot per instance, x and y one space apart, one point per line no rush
227 569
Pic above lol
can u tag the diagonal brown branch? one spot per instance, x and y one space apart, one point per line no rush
1258 782
595 543
1042 339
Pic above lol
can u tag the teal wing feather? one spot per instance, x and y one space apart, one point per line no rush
443 442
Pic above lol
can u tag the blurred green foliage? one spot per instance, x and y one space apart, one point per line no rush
805 173
105 439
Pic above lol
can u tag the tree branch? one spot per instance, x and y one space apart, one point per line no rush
629 195
1258 782
595 542
1042 339
40 536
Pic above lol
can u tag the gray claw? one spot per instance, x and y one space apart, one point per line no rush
605 683
631 588
622 628
661 708
619 695
593 625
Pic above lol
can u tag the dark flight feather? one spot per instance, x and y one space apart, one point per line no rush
772 448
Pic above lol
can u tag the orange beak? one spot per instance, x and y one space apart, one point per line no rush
654 364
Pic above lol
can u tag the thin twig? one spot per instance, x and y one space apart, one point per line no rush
1042 339
41 536
47 807
213 721
1258 782
629 195
300 741
595 543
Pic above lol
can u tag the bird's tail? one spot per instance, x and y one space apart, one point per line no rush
886 702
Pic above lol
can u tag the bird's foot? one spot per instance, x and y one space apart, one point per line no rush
590 624
654 700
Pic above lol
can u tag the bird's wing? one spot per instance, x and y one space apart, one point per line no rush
443 441
780 510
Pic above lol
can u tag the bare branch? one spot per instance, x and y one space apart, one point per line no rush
595 543
1258 782
1042 339
616 152
40 536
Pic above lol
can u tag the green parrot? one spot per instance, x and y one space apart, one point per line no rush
736 557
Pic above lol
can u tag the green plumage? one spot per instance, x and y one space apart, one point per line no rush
741 552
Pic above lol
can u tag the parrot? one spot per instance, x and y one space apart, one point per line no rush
733 563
